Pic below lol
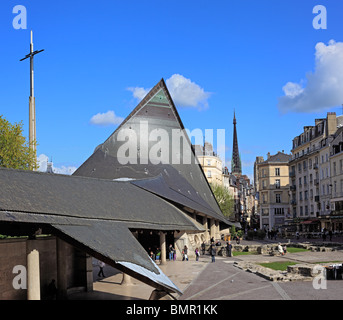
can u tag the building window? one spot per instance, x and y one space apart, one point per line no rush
279 211
301 211
277 171
277 183
278 198
208 162
209 174
334 168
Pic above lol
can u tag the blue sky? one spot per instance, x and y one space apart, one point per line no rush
259 58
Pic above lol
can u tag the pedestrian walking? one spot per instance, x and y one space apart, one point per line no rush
229 249
101 271
203 247
185 253
152 254
171 253
158 255
324 234
197 254
213 251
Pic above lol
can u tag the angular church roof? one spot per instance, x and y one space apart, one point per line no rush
96 207
93 214
155 118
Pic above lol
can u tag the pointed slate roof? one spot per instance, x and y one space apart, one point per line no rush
95 212
279 157
94 215
178 182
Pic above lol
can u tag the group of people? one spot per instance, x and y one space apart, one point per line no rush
155 255
197 253
325 233
271 234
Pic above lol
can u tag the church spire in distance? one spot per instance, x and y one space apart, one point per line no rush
236 165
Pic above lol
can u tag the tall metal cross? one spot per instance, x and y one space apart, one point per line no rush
32 104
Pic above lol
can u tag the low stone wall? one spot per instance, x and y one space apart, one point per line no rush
298 272
266 248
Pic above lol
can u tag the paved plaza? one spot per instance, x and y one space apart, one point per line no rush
222 280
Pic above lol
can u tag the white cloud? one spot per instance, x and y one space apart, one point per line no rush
64 170
186 93
323 88
43 164
106 119
139 92
183 91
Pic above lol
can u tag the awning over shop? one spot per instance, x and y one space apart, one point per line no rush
310 221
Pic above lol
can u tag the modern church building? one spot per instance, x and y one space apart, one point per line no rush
142 188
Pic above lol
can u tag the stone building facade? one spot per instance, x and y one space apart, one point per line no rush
273 178
311 173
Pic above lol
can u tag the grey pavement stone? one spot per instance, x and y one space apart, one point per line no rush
222 280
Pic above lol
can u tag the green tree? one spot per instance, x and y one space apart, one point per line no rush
15 151
224 199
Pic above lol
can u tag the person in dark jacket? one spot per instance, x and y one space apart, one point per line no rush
185 253
229 249
213 251
203 247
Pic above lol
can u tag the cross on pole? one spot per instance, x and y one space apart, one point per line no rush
32 106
